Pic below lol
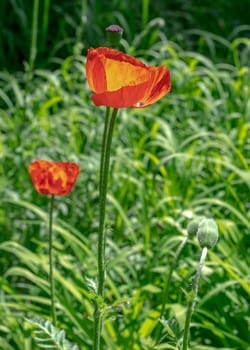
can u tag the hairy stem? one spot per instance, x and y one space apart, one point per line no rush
192 302
51 279
104 171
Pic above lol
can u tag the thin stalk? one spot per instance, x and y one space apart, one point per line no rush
104 171
34 30
145 12
168 279
51 279
104 145
2 18
167 283
81 25
45 23
192 302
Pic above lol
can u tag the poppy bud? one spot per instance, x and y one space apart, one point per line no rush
114 34
207 233
193 226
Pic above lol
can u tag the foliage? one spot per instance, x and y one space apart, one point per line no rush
67 27
186 156
47 336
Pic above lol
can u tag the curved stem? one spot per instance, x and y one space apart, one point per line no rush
104 171
192 302
51 279
167 284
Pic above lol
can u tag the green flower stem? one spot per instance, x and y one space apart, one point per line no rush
192 302
102 203
104 145
51 279
104 171
167 283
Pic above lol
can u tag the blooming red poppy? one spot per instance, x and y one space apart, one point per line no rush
119 80
55 178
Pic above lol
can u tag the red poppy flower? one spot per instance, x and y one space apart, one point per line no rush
55 178
119 80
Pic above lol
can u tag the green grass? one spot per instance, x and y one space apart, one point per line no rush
186 156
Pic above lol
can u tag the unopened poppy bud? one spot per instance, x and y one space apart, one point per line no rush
114 34
193 226
207 233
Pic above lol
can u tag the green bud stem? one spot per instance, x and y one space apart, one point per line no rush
114 35
192 302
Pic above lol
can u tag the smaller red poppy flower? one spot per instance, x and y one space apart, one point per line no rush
55 178
119 80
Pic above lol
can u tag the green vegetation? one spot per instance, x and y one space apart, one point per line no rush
186 156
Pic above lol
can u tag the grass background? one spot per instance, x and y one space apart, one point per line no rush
187 155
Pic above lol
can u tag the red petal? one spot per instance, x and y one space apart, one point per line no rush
55 178
158 87
119 80
124 97
95 72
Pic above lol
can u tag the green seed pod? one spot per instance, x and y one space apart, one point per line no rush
192 227
114 34
207 233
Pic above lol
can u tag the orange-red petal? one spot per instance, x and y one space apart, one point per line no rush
158 87
124 97
119 80
54 178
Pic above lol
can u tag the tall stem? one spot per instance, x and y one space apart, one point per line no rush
51 279
104 146
104 171
192 302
